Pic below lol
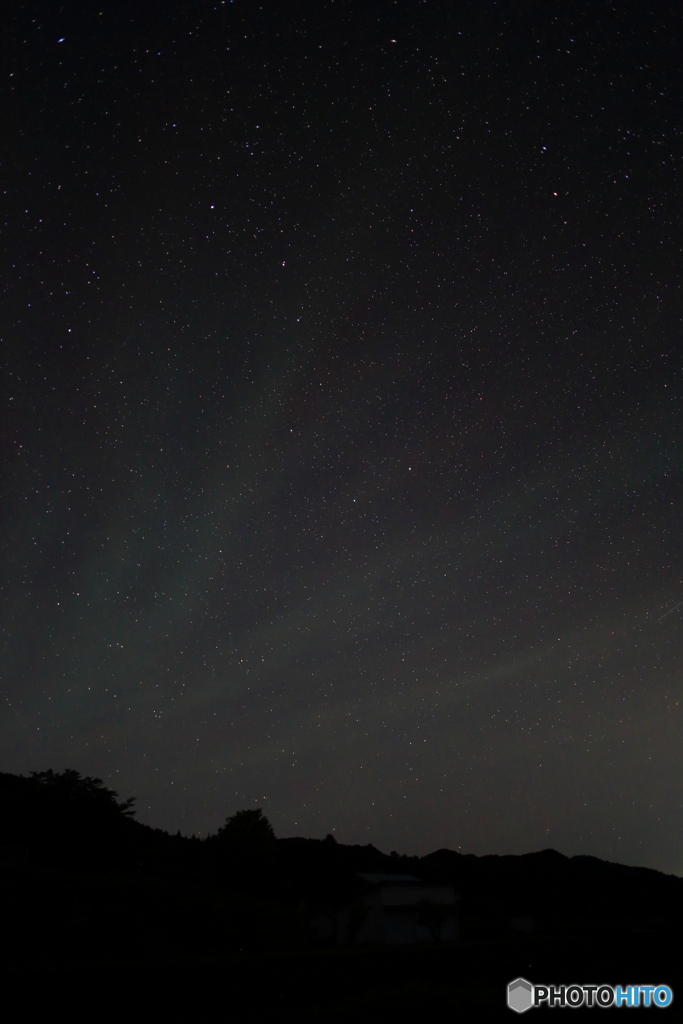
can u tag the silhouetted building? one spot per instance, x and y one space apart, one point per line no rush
396 909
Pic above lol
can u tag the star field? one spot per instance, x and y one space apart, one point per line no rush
342 417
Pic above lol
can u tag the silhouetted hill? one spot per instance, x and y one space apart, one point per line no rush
557 890
323 869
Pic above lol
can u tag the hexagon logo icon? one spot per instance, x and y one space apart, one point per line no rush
520 995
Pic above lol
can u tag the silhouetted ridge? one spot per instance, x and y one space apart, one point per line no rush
553 889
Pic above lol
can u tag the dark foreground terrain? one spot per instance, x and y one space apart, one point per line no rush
106 919
465 980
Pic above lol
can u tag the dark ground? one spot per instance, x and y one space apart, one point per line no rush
360 984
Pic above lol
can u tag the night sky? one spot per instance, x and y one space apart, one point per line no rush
343 416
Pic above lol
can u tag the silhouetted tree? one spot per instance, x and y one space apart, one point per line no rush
246 845
248 828
64 817
72 788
